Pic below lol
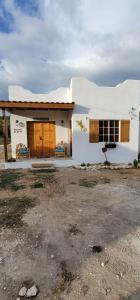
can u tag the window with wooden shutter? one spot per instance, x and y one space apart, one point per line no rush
125 130
93 131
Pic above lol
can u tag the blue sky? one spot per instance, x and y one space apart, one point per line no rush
43 43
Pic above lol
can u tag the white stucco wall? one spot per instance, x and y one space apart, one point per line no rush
62 131
18 93
94 102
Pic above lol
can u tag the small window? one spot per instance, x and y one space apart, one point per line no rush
109 131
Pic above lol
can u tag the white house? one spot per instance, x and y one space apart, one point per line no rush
84 117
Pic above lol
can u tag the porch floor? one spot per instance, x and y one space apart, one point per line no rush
27 163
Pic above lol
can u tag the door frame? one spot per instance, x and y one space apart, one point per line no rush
39 121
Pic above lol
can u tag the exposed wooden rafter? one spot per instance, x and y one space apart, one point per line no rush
37 105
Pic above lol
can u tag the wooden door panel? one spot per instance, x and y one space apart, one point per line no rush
46 137
52 141
38 138
41 138
31 141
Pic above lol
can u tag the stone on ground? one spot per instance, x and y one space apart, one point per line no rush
22 291
32 291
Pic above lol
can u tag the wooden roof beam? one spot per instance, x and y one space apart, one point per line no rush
37 105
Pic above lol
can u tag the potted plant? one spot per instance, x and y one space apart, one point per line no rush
110 145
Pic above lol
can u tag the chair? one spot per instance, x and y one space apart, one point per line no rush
60 151
22 151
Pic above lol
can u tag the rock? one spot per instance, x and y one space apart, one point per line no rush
108 290
120 275
32 291
52 256
104 263
22 291
18 298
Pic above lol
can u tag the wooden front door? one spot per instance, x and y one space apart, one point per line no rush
41 138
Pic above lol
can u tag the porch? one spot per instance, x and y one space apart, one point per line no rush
28 163
40 126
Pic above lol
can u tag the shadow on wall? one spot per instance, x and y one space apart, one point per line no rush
86 152
81 109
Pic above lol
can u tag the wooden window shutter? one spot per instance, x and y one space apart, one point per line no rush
93 131
125 130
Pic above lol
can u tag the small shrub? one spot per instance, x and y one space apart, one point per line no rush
87 183
74 230
8 179
135 163
83 165
97 249
106 163
13 209
37 185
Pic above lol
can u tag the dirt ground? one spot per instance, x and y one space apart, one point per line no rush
49 223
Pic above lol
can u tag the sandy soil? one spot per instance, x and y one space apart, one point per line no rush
49 240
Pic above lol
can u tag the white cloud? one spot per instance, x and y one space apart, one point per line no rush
94 38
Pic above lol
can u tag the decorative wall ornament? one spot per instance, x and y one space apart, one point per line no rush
19 124
132 113
81 125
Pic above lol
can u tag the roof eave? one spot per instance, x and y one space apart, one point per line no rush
37 105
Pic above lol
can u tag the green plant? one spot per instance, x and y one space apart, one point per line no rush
106 163
37 185
87 183
13 209
135 163
83 165
8 179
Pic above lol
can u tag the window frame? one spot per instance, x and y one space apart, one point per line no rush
106 137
